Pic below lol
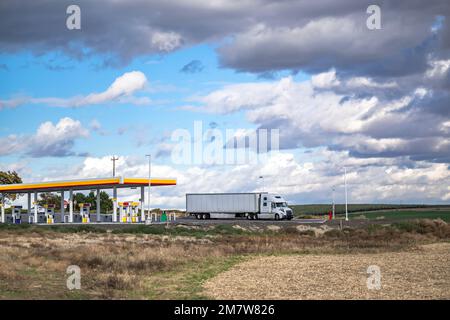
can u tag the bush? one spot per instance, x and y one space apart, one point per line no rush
438 227
334 233
9 226
76 229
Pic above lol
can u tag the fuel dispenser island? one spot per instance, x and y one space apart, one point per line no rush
84 212
16 211
49 213
129 212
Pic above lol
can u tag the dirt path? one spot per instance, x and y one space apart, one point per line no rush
423 273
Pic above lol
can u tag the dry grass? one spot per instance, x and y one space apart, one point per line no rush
111 265
34 261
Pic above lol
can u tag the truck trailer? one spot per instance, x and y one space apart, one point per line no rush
260 205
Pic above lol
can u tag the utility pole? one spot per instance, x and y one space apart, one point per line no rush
345 183
149 181
113 159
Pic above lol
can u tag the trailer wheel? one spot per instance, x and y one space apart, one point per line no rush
198 216
248 217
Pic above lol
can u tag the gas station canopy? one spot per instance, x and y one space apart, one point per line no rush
85 184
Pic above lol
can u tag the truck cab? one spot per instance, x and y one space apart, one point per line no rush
274 206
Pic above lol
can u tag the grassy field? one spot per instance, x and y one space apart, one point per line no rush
312 209
404 214
176 262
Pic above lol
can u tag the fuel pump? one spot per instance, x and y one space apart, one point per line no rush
84 212
129 211
124 211
134 211
16 211
49 213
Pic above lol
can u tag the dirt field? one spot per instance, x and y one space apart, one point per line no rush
423 273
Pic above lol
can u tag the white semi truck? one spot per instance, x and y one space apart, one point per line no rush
261 205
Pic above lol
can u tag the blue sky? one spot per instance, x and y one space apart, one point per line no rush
339 93
30 75
57 75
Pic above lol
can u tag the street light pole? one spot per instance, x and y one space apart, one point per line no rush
149 182
345 183
334 210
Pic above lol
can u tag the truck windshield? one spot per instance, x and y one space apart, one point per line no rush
281 204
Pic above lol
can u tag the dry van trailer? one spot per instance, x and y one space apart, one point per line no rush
255 205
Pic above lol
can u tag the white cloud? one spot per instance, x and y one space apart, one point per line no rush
125 85
166 41
121 91
329 79
49 140
358 82
325 79
352 114
302 181
438 68
10 144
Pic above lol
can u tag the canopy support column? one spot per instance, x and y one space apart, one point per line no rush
29 203
35 207
98 205
70 205
62 205
142 204
114 217
2 205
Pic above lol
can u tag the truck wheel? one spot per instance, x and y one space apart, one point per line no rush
277 217
248 217
204 216
198 216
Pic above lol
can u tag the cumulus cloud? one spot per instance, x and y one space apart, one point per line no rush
301 181
50 140
344 42
377 99
10 144
263 35
121 90
166 41
355 114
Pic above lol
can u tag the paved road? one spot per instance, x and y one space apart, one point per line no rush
243 221
209 222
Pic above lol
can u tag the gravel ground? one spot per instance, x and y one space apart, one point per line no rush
422 273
